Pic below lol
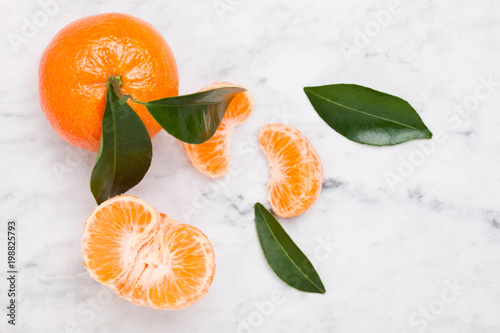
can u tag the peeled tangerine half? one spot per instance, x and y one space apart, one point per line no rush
146 257
212 158
296 170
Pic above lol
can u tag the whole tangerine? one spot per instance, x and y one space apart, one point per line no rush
75 67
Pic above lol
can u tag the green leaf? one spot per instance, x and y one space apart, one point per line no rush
193 118
367 116
284 257
125 149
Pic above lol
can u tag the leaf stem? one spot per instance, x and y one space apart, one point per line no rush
115 82
138 102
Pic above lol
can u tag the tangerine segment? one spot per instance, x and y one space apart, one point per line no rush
75 67
212 157
145 256
296 170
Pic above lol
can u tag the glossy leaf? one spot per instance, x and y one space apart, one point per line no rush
193 118
284 257
125 149
367 116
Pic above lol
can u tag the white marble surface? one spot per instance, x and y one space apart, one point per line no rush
387 251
